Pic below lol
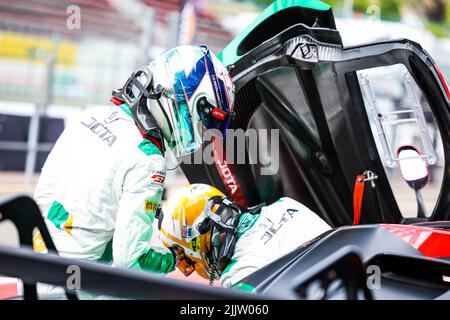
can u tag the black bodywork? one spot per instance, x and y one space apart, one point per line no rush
301 80
325 139
404 272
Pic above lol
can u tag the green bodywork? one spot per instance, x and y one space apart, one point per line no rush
229 55
244 287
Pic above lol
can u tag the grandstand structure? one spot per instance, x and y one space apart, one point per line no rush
107 45
101 18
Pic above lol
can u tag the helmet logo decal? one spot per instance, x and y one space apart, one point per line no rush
186 232
219 114
150 206
194 245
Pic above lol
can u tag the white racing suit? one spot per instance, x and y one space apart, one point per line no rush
262 238
99 190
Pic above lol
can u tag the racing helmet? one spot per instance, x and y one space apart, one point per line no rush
180 94
200 220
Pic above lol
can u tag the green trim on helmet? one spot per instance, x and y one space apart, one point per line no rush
244 287
148 147
58 214
156 261
229 55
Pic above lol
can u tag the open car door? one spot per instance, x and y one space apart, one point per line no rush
340 112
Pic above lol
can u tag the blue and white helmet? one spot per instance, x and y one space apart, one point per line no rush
197 93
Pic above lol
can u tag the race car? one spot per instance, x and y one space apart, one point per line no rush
363 141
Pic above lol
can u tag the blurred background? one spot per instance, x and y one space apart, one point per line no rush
58 57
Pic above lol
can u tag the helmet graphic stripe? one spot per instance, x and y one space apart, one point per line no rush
217 84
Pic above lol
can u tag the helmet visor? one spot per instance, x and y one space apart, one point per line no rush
191 113
185 135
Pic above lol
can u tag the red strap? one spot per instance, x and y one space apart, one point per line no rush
116 101
358 198
219 114
226 173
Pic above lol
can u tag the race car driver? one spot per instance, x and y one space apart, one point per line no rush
218 238
103 180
